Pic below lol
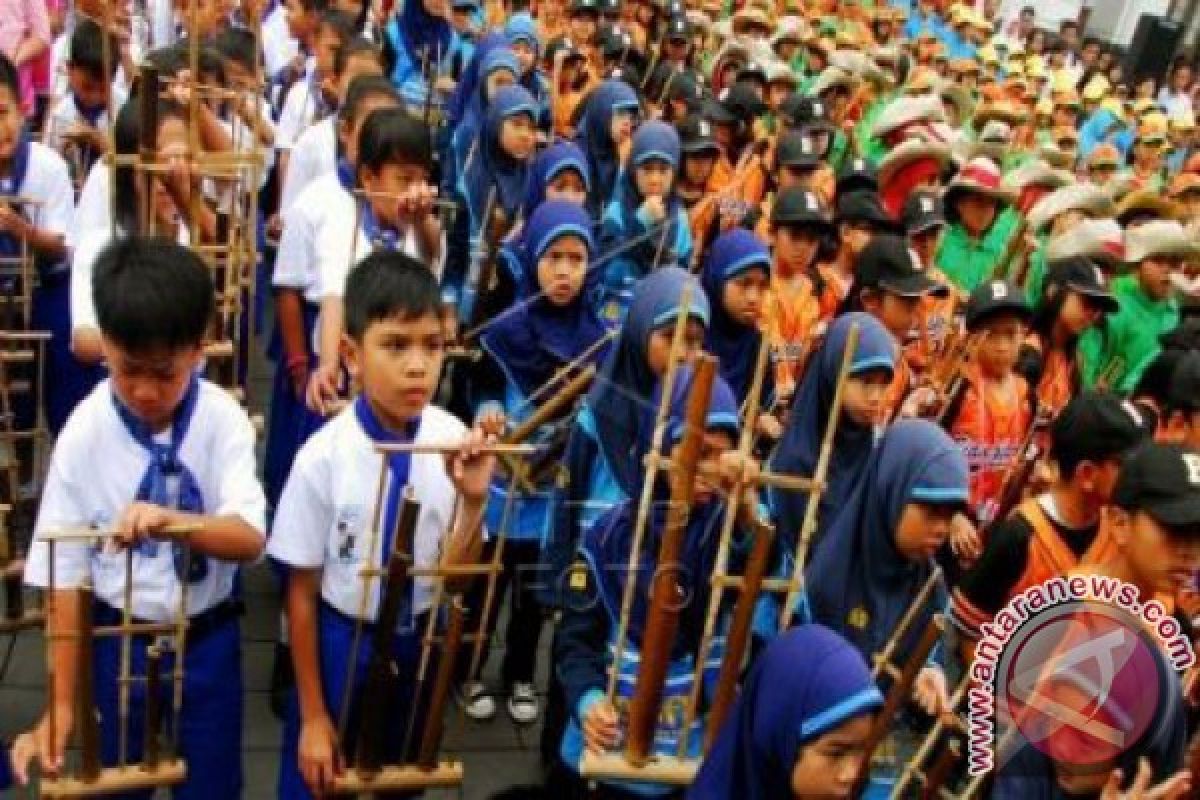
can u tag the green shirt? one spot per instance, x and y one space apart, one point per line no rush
839 149
872 149
1035 276
968 262
1130 334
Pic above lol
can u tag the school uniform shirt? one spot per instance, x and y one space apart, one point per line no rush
1131 335
219 451
65 114
314 155
278 45
302 106
47 181
325 515
93 209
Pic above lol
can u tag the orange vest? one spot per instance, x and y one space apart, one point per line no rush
1049 556
790 313
990 429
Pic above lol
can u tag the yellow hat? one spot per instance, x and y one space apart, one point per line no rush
1153 129
1036 69
987 54
1062 82
1044 108
1096 88
1114 105
1143 105
1184 121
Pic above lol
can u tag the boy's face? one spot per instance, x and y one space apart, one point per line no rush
89 90
1001 344
898 314
387 184
1154 275
1161 560
828 766
925 244
151 384
238 76
658 348
977 212
325 49
11 121
397 364
743 296
855 236
795 247
863 396
698 168
792 176
561 270
300 21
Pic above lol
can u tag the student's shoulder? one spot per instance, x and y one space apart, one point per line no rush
438 424
338 442
315 136
88 420
220 409
45 161
322 195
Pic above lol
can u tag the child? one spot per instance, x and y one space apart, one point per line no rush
559 172
975 241
859 217
498 68
1179 410
78 123
698 184
609 116
645 216
991 415
392 168
586 634
799 727
552 325
394 346
420 39
1047 535
736 275
522 34
1118 351
177 451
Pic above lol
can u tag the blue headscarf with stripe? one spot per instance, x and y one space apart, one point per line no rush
473 117
548 165
652 141
490 167
533 341
609 543
468 82
595 139
621 399
806 683
731 255
857 581
421 32
800 446
521 28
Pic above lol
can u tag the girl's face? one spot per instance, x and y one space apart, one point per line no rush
724 134
526 56
1154 275
743 296
697 169
714 444
386 185
795 248
977 212
11 121
1078 313
172 149
863 395
827 767
1182 80
561 270
517 136
654 178
567 185
497 79
1000 345
778 92
349 130
621 126
922 530
658 349
925 243
855 236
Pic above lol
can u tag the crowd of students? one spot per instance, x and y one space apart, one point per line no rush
968 242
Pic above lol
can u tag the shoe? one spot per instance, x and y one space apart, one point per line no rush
476 702
523 704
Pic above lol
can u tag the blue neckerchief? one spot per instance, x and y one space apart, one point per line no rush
378 235
10 184
90 114
345 173
398 466
165 464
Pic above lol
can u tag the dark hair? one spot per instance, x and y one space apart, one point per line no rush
388 284
87 50
212 63
8 77
151 294
318 6
355 46
360 90
169 60
127 136
341 23
237 45
390 136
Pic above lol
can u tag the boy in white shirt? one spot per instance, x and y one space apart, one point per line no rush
175 450
394 347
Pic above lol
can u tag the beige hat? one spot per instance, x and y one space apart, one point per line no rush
779 72
980 175
1055 156
831 78
1145 201
905 110
907 152
1101 240
1036 172
1070 197
1159 238
1004 112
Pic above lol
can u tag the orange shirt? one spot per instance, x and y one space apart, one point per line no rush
790 315
833 292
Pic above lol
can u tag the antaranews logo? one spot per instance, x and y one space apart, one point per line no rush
1078 668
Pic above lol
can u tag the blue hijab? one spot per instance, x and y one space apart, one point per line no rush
473 117
548 165
621 398
855 567
609 543
421 32
490 167
1102 126
531 343
521 28
468 82
807 682
595 139
652 141
737 345
800 446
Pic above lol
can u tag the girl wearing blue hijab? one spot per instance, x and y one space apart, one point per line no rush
645 209
585 638
418 32
522 33
497 68
497 172
559 172
808 697
609 116
736 275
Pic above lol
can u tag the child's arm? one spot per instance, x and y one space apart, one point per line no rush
324 388
318 754
471 472
46 744
579 658
289 307
227 537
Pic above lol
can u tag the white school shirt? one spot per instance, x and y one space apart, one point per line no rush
325 515
94 475
314 155
48 181
83 263
279 47
92 209
295 258
299 109
65 114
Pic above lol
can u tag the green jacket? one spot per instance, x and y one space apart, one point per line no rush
1035 277
872 149
1130 334
969 262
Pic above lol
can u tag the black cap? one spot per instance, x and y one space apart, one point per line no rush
799 206
1183 393
857 174
583 7
685 85
563 44
994 297
718 114
743 101
922 212
1082 275
887 263
807 112
751 71
795 149
1164 481
1096 426
696 135
609 6
863 206
678 28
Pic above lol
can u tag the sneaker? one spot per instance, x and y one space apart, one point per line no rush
523 704
476 702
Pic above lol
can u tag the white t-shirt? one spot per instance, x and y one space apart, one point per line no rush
278 46
48 182
295 259
314 155
94 475
92 210
327 509
299 109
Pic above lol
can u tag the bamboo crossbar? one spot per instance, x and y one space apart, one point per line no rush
82 534
447 774
118 779
450 448
666 770
30 619
131 629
